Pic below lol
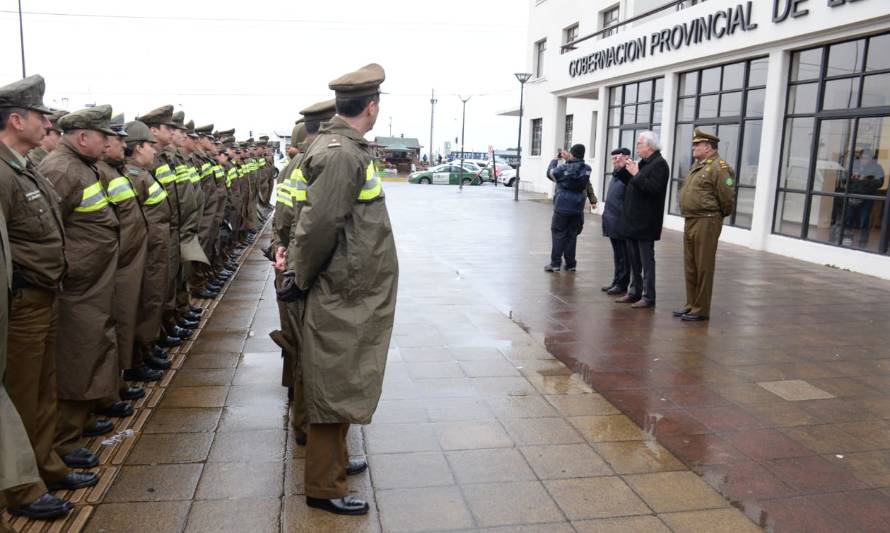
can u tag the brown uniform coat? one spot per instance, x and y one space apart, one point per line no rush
86 358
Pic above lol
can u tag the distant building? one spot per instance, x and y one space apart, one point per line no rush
399 152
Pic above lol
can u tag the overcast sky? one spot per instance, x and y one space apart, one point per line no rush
253 65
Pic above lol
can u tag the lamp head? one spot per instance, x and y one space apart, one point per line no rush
523 76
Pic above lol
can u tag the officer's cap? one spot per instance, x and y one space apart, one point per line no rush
92 118
54 120
264 138
178 120
298 135
117 124
26 93
320 110
228 140
156 117
190 129
138 132
205 131
699 136
262 142
362 82
226 133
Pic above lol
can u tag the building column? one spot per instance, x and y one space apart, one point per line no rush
602 153
555 135
770 148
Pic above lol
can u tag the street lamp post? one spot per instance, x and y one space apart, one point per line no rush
463 122
432 116
22 39
522 77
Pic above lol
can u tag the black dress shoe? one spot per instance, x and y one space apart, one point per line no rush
45 507
612 291
142 373
169 342
177 331
356 466
131 393
81 458
681 311
191 315
346 505
688 317
116 410
606 288
156 363
214 286
301 439
101 427
75 480
188 324
205 295
157 351
196 309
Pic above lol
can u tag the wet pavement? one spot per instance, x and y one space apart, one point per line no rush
773 414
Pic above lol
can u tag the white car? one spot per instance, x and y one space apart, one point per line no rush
507 176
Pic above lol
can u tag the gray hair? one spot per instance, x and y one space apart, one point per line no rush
651 139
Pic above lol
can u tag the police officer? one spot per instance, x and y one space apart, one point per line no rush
50 141
347 299
36 241
706 197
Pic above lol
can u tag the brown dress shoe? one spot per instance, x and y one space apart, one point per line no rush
643 304
627 299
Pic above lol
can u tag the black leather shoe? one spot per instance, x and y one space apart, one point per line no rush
131 393
205 295
196 309
214 286
177 331
231 266
101 427
356 466
681 311
188 324
191 315
81 458
142 373
116 410
346 505
688 317
606 288
155 363
157 351
75 480
169 342
301 439
616 290
45 507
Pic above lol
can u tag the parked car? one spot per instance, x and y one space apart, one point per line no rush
447 174
485 173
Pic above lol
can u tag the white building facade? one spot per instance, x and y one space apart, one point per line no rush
797 90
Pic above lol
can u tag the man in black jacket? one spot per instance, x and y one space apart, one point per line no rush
642 218
572 190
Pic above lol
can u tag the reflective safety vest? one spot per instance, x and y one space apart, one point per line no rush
156 194
194 177
183 174
372 187
218 172
299 185
94 199
120 190
206 171
165 175
285 193
262 162
231 176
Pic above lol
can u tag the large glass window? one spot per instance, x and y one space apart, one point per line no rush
537 131
633 108
726 100
835 161
568 35
569 132
609 19
540 48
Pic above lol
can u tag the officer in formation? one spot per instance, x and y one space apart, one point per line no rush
108 229
340 273
707 196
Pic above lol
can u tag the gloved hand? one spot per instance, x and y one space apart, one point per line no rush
289 292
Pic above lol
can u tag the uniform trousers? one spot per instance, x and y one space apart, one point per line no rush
31 384
621 275
74 418
326 458
700 237
641 257
564 229
294 315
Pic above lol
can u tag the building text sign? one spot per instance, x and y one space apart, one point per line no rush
714 26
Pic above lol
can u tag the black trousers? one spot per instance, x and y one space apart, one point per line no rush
621 276
565 230
641 256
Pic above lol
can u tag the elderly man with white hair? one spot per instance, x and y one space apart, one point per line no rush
642 218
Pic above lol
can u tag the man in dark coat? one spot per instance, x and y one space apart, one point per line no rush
611 218
642 217
572 186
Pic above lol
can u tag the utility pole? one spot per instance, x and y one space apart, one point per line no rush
390 126
22 39
463 123
522 77
432 116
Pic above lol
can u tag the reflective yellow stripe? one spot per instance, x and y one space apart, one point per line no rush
373 186
299 185
206 170
231 177
218 172
182 174
119 190
93 199
165 175
194 177
156 194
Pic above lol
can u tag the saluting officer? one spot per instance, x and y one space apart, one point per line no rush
706 197
347 292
